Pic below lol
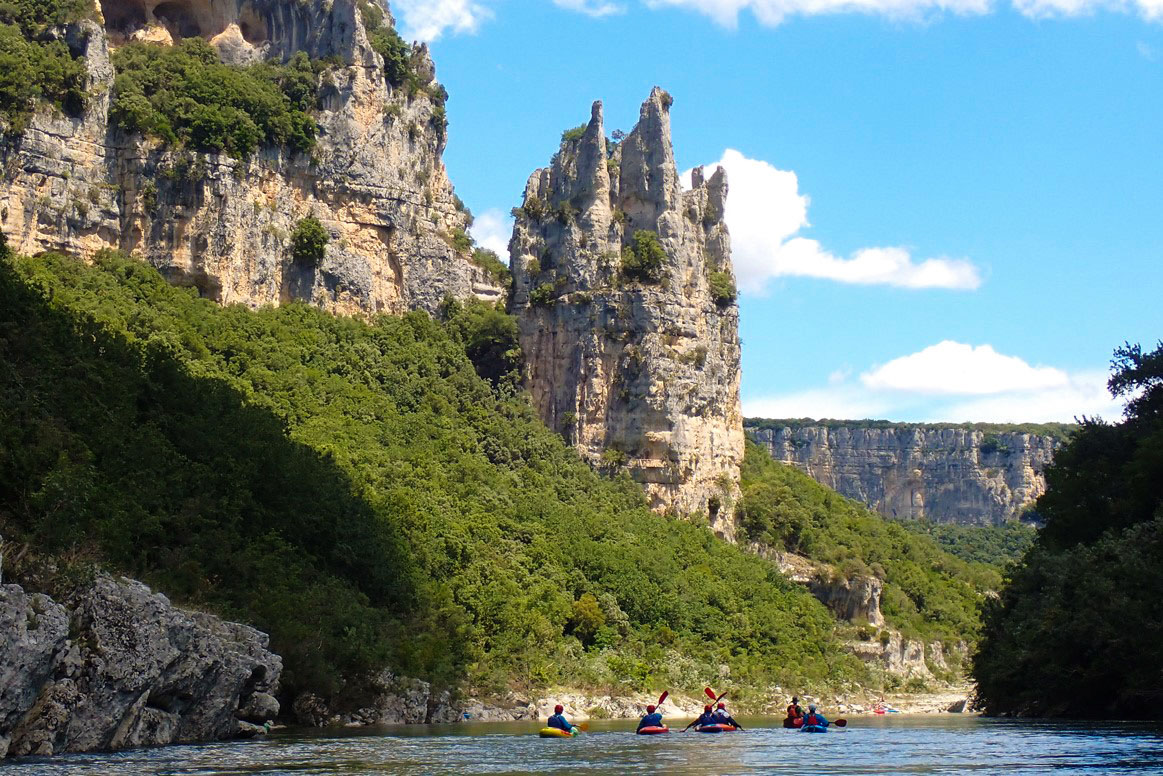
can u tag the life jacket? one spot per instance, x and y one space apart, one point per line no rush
811 719
794 711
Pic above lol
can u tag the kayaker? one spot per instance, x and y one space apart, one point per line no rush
706 718
814 718
723 718
558 719
652 718
794 710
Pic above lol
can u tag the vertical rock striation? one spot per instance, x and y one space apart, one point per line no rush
641 373
941 474
375 178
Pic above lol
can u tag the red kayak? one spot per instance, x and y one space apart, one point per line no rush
716 729
793 722
653 730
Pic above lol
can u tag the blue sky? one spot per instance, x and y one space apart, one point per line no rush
940 210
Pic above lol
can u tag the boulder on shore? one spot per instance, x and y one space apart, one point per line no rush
118 666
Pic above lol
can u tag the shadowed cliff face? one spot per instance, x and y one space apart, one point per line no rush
945 475
375 178
636 373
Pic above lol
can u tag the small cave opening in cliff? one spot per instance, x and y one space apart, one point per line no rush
122 19
179 18
172 20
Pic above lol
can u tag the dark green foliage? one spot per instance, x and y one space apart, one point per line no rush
927 592
309 242
644 259
1078 630
722 288
35 64
358 491
397 54
460 241
490 337
542 296
491 262
573 135
183 94
1059 431
993 545
991 445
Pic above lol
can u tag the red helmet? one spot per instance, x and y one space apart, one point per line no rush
707 707
650 709
558 709
722 705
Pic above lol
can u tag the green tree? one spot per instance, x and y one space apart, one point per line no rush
644 258
309 242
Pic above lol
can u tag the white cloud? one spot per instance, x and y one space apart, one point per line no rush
766 211
427 20
492 230
596 8
951 382
774 12
953 368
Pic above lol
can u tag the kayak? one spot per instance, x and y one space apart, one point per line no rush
793 722
716 729
557 733
813 729
653 730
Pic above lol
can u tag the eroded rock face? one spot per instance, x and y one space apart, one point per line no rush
640 374
375 178
945 475
850 598
121 667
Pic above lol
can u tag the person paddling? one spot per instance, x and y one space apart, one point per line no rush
815 719
795 712
652 718
706 718
559 721
723 718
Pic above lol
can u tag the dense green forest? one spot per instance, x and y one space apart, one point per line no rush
995 545
928 593
1060 431
357 490
1078 629
36 62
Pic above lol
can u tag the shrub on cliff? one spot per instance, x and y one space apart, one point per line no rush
491 263
358 491
35 64
722 287
644 258
309 242
184 94
1078 629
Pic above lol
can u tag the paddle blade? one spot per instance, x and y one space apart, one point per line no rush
584 727
710 694
841 723
662 698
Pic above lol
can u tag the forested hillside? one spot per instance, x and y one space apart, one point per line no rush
1078 630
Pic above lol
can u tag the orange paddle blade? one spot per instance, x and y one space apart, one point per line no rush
662 698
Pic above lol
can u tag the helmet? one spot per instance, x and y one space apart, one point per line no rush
707 707
811 707
558 709
722 705
650 709
795 699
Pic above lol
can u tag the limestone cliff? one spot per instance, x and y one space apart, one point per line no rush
116 666
942 474
634 372
375 178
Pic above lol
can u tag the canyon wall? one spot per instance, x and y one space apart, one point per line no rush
375 178
638 369
940 474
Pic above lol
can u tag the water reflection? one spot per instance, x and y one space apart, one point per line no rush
934 745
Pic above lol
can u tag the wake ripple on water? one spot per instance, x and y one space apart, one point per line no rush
923 745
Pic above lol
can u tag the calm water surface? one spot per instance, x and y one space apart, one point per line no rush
897 745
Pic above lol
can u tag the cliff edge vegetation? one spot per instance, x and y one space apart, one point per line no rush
358 491
1078 629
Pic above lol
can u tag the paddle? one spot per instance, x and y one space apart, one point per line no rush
840 723
662 698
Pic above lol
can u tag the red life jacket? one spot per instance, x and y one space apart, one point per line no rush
811 719
794 711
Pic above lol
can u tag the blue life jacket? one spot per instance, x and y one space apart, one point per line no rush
651 720
558 721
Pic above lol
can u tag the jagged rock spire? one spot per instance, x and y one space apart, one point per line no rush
636 374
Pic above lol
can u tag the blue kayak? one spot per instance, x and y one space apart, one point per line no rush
813 729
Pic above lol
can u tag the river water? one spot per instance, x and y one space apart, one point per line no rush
951 744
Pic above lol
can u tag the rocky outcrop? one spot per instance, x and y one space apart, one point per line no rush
641 373
118 667
853 599
375 178
941 474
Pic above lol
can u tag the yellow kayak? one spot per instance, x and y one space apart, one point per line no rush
549 732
